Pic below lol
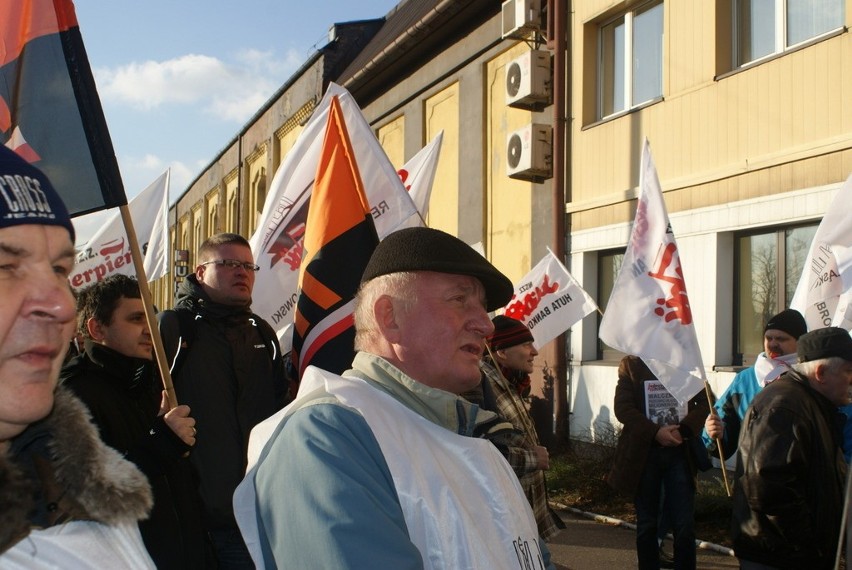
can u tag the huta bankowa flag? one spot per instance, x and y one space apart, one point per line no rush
549 300
50 112
649 313
339 239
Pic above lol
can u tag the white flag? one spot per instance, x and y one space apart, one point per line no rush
277 243
549 300
648 313
824 289
108 251
417 176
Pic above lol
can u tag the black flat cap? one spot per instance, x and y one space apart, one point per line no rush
427 249
825 343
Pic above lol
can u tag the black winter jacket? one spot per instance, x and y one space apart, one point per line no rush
231 381
123 395
788 498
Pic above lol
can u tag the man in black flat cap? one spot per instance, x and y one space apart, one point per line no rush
791 472
386 466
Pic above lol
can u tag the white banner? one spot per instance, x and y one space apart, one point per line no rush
108 251
549 300
824 289
277 243
648 313
417 176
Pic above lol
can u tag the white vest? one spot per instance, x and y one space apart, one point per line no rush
462 503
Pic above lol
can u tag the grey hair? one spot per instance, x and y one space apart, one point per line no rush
398 286
809 368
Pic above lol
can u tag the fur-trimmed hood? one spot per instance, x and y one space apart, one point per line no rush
89 480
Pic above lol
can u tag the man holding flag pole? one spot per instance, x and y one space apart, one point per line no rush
657 398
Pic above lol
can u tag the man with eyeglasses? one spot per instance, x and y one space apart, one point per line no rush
227 366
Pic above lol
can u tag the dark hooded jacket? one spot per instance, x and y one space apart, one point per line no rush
231 381
123 395
58 470
791 474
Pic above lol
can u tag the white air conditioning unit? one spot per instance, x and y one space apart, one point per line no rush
520 18
529 153
528 80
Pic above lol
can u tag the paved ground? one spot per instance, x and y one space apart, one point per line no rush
591 545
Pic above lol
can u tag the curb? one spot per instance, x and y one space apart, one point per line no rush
618 522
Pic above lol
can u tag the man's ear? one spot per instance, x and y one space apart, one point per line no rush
199 272
819 373
95 328
387 318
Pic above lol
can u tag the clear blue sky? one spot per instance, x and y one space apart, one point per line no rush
179 78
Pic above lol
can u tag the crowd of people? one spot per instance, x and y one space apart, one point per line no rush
422 455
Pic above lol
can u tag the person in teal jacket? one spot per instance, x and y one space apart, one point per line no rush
780 339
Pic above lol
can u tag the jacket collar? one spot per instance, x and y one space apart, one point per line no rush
438 406
93 481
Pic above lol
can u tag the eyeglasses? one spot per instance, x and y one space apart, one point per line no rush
234 264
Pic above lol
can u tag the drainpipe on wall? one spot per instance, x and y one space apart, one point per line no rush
557 11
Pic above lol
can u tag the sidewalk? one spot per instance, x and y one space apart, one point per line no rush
595 542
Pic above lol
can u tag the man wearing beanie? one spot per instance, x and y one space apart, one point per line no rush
387 466
780 338
66 499
789 496
506 372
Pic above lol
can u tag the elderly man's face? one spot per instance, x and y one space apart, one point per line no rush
36 321
834 383
442 336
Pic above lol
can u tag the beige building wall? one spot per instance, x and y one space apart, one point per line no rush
508 204
718 135
392 139
441 113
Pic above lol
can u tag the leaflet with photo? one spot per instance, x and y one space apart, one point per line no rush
660 406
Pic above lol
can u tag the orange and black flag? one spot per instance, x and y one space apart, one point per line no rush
50 113
339 239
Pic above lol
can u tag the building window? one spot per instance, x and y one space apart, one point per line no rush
766 27
630 69
769 265
609 263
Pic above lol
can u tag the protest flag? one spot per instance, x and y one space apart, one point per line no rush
50 112
51 115
277 243
825 287
648 313
108 251
549 300
418 174
339 239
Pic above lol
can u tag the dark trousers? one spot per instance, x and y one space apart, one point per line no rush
231 551
667 469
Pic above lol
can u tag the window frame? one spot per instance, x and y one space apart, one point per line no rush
780 36
628 103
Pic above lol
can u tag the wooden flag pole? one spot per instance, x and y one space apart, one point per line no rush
147 303
718 439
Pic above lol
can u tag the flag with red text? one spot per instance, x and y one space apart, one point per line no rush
648 313
824 292
549 300
339 239
50 112
278 241
108 251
